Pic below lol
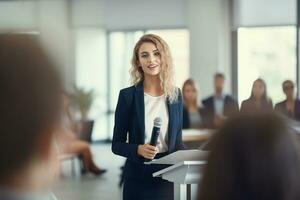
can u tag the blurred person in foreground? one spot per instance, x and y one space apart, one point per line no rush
30 106
252 157
258 100
219 106
193 113
290 107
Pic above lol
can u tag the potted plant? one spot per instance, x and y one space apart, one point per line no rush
84 98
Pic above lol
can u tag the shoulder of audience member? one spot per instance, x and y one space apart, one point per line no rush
246 102
232 99
208 99
279 104
270 102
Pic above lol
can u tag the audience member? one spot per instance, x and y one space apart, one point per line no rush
259 100
219 106
290 107
193 113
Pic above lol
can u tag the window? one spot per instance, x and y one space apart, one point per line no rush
268 53
121 46
91 73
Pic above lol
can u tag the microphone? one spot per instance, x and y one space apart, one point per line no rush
155 131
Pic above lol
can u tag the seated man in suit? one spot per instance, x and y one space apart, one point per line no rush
219 106
30 106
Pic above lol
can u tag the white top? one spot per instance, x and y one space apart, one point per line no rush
195 120
156 107
219 105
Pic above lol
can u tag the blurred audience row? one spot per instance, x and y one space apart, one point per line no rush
212 111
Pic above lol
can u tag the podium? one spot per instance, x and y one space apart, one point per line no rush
185 176
185 172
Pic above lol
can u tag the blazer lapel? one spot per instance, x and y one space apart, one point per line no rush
140 108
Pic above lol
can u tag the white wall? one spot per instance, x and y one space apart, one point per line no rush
87 13
129 14
143 14
53 24
50 18
208 21
18 15
265 12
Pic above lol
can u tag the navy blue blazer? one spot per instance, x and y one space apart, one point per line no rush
130 121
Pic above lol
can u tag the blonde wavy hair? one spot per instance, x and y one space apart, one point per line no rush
167 73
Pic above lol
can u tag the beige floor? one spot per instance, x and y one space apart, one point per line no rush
89 187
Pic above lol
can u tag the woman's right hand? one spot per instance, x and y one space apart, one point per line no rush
147 151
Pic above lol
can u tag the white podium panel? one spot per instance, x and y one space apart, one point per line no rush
185 172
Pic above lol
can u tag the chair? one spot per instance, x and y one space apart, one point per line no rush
73 158
87 130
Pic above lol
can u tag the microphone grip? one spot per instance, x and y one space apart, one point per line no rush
154 138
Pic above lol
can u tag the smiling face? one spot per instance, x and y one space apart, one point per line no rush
149 59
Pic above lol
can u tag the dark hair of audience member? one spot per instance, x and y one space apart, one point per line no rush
286 84
30 102
264 97
219 75
252 157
